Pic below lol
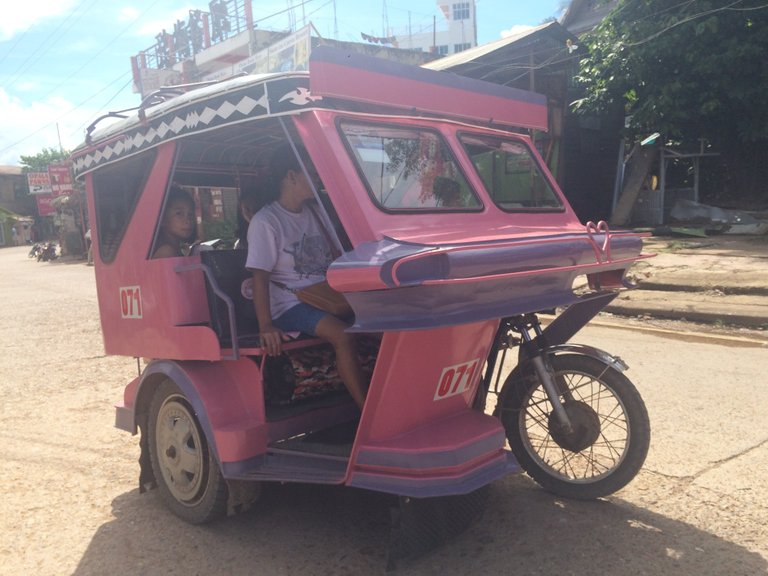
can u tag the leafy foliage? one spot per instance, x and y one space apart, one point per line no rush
691 70
39 162
688 69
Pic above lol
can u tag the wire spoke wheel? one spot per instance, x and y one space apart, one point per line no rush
609 436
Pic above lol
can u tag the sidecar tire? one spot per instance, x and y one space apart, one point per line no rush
188 477
612 431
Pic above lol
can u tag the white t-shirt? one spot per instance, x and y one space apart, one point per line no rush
292 247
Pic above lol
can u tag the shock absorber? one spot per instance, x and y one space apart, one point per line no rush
533 349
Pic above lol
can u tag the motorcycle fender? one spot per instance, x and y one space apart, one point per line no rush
601 355
608 359
227 400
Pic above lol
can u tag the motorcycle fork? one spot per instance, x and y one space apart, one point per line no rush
533 348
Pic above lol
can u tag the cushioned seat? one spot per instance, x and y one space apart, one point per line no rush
229 272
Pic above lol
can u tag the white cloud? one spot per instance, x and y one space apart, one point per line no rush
20 16
127 14
28 128
515 30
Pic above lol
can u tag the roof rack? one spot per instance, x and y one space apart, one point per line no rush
162 94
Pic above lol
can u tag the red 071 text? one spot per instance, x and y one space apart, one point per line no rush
130 302
456 379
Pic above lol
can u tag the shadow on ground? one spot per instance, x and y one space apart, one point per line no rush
299 529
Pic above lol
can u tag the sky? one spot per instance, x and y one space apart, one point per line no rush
63 63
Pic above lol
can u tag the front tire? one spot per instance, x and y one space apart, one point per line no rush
610 436
188 476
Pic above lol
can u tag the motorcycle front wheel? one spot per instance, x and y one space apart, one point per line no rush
609 437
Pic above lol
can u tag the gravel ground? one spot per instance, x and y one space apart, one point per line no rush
72 505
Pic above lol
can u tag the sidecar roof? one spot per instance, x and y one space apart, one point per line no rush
337 79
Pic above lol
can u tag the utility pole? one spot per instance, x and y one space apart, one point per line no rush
335 22
58 133
410 33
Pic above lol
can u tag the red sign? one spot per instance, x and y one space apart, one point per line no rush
61 179
44 207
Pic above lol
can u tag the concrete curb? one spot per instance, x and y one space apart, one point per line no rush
738 310
685 336
730 289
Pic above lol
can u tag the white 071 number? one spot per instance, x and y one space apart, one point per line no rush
130 302
456 379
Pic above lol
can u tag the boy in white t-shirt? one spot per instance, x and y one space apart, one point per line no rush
287 250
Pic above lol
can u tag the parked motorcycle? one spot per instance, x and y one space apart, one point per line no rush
48 252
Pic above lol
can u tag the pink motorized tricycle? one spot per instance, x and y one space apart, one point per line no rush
452 237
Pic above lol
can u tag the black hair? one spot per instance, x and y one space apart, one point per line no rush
178 194
284 160
254 198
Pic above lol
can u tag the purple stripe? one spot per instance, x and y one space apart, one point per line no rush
419 307
426 460
431 486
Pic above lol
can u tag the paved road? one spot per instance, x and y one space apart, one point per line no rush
71 504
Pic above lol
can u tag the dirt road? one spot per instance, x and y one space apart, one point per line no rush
71 503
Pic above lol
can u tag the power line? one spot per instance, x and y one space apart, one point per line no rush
98 53
48 43
681 22
70 111
108 102
12 48
282 11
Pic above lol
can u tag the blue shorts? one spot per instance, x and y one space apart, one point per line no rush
300 318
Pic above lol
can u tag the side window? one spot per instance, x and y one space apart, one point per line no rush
511 174
408 169
461 11
116 190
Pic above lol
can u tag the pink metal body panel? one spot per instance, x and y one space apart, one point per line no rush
227 398
408 373
232 396
163 305
417 417
397 85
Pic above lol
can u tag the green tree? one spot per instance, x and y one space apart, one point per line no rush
39 162
690 70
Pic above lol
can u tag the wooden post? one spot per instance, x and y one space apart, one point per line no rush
639 166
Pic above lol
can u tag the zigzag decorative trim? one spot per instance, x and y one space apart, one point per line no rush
268 97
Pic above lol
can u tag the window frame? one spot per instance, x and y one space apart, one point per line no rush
480 207
542 171
461 11
146 160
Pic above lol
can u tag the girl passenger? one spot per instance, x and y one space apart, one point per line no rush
178 227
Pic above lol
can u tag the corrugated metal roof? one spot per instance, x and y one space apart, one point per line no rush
478 52
10 170
583 15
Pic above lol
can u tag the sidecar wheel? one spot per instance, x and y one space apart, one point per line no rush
188 476
609 440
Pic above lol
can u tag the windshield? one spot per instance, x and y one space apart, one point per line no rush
408 169
510 174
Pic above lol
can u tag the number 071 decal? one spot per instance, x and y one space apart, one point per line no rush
130 302
456 379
